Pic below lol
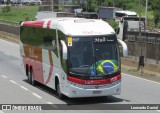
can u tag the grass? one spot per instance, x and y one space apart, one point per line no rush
132 70
19 13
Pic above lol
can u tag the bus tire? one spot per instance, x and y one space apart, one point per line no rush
31 76
58 91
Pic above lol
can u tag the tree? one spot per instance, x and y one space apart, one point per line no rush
6 8
8 2
99 2
156 17
155 4
91 5
74 2
156 9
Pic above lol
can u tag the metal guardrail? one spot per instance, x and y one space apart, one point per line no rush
9 22
10 28
146 37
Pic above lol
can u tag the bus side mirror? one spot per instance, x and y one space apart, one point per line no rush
123 48
64 50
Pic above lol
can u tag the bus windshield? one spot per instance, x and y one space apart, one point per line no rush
93 56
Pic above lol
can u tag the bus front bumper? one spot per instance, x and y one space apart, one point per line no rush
75 92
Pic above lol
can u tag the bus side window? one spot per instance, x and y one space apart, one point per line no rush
49 40
61 36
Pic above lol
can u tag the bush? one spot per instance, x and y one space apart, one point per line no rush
6 9
156 17
158 25
113 23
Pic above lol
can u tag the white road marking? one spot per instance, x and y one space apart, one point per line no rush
24 88
49 103
7 54
4 76
141 78
13 81
37 95
157 110
1 111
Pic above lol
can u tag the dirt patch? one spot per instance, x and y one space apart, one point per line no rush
9 37
146 74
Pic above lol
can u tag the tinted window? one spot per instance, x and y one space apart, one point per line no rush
40 37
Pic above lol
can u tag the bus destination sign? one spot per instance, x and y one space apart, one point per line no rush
104 40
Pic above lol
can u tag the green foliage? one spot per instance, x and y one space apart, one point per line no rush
157 17
155 6
91 5
113 23
74 2
18 13
6 9
99 2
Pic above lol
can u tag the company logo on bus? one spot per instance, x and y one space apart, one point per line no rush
90 82
32 53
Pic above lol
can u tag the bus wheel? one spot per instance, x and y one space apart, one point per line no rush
31 76
59 94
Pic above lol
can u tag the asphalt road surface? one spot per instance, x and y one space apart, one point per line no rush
15 90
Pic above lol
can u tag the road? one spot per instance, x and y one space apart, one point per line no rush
15 90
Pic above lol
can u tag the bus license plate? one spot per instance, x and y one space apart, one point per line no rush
97 92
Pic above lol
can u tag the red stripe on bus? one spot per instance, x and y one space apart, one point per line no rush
48 24
94 82
38 24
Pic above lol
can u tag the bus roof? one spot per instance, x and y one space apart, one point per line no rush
127 12
133 18
73 26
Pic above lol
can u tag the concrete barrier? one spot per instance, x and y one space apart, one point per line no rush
10 29
10 37
132 64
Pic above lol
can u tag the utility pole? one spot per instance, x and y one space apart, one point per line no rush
146 24
135 5
113 3
86 5
146 11
139 17
140 41
52 6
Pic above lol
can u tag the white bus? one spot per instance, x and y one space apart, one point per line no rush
125 13
76 57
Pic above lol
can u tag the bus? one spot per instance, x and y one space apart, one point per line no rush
89 15
125 13
77 57
49 14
